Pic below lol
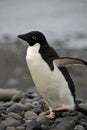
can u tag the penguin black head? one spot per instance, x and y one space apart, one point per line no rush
33 37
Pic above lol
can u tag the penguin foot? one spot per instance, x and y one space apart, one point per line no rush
51 115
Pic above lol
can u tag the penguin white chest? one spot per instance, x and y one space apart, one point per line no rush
50 84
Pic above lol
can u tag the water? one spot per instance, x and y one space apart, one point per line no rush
58 19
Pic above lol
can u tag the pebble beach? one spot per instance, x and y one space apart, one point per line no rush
27 111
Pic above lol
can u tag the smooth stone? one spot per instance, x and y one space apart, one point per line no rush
16 98
20 128
30 115
83 122
36 99
8 104
41 101
44 120
37 109
79 100
16 108
27 106
15 116
33 125
66 123
42 114
79 116
45 127
28 100
58 120
79 127
33 95
70 113
35 103
83 106
10 122
10 128
6 94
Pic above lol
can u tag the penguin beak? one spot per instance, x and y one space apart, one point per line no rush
20 36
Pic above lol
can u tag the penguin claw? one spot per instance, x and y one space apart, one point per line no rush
51 115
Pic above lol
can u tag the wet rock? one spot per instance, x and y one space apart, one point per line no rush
33 125
30 115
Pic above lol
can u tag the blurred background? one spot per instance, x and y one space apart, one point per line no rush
64 23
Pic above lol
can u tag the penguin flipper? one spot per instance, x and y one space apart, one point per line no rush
67 61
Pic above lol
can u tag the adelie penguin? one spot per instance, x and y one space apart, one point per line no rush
49 74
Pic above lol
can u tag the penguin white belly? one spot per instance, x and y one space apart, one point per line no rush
51 85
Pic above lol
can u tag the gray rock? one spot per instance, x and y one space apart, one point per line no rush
44 121
35 103
20 128
33 125
70 113
42 114
36 99
16 108
8 104
67 123
34 95
10 128
58 120
79 116
15 116
16 98
6 94
30 115
79 127
79 100
28 100
45 127
28 106
83 106
10 122
83 122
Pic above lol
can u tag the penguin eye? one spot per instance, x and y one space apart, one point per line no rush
34 37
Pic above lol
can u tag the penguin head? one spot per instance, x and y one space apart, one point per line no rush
33 37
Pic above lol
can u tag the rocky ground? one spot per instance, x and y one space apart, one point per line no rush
27 111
